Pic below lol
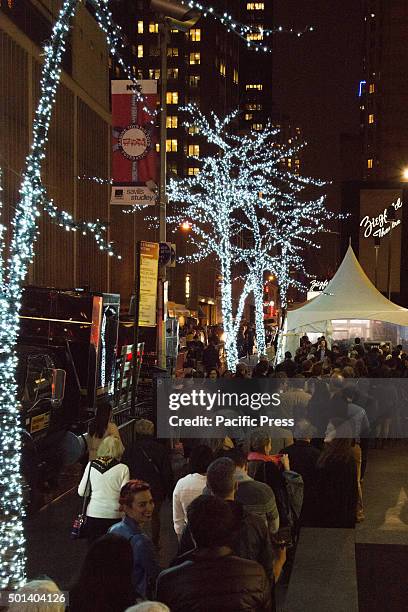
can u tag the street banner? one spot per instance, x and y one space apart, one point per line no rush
134 156
149 272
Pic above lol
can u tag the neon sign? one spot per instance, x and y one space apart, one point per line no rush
380 226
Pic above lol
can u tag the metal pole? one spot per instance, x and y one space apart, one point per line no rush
389 264
135 373
376 267
164 39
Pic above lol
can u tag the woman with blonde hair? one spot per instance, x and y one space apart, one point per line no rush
102 480
101 427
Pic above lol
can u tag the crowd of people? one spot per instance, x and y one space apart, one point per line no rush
239 504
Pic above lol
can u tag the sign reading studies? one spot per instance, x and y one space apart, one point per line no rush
134 157
149 272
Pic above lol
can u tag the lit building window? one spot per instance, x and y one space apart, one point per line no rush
195 57
172 97
370 163
255 6
187 286
140 27
193 171
158 147
195 34
222 69
171 145
154 73
172 121
235 76
172 73
193 129
257 126
289 162
371 118
253 106
139 50
255 36
258 86
371 88
172 52
249 116
194 80
193 150
153 28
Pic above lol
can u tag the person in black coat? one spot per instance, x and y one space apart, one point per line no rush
148 460
336 482
211 577
251 540
303 458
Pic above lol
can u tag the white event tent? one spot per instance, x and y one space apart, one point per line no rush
350 295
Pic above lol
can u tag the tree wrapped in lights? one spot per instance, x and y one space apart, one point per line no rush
32 199
245 206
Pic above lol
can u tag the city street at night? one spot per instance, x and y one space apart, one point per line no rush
203 306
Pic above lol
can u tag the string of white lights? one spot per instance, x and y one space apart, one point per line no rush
252 34
97 229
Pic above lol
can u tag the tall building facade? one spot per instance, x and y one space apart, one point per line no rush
256 67
79 137
384 90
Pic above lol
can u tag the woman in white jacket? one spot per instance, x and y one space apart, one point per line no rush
106 478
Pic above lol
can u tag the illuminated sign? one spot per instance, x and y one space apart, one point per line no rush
380 226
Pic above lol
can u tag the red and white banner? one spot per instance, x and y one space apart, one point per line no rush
134 157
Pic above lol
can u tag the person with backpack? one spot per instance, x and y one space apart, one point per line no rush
274 470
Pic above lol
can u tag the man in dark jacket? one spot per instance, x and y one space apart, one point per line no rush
303 458
148 460
251 540
211 578
211 357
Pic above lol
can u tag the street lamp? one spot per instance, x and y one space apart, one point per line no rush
172 15
405 174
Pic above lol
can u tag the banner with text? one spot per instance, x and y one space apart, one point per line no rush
134 157
149 272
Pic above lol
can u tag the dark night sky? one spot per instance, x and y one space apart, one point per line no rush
316 77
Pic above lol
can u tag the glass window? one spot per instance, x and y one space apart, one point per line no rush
249 116
140 27
172 167
172 121
172 52
193 171
193 129
194 80
257 126
195 34
369 163
154 73
139 50
194 150
195 57
235 76
172 73
172 97
371 88
153 28
258 86
222 69
371 118
171 145
255 6
255 36
158 147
